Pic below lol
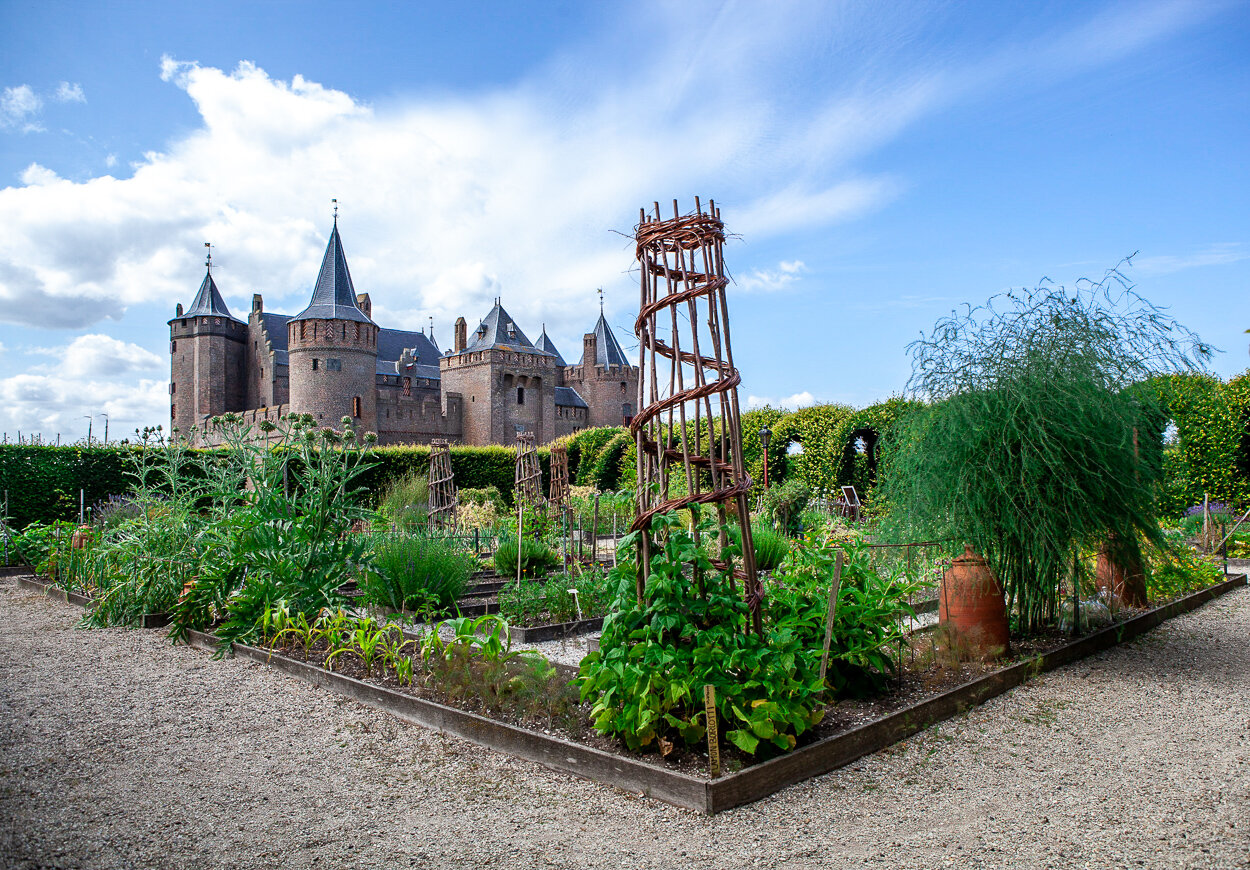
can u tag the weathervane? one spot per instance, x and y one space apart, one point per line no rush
600 300
336 211
208 262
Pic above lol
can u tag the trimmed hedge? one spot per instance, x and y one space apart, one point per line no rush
43 482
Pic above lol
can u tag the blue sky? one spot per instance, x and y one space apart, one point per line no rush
879 165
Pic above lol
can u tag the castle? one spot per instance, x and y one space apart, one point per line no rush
332 361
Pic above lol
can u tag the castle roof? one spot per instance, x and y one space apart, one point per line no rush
393 342
208 301
499 330
544 343
333 297
567 397
608 350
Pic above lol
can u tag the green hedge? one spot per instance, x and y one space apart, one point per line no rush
43 482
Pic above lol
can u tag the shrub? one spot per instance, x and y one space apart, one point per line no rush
536 557
784 503
770 547
416 572
406 500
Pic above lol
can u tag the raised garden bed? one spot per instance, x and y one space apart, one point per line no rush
648 775
15 570
29 581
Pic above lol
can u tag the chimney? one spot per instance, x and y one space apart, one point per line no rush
178 310
364 304
258 304
589 350
461 335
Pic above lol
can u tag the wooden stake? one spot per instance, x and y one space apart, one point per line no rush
830 614
713 739
594 535
520 548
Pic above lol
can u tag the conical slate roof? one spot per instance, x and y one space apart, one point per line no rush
208 302
498 329
608 350
334 297
544 343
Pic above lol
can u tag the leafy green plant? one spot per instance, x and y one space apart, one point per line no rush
416 572
551 601
646 681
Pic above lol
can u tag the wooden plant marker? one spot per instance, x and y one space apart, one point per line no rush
830 614
713 739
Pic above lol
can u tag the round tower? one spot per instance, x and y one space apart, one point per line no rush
206 349
332 348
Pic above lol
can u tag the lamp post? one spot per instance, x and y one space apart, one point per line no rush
765 435
106 429
90 420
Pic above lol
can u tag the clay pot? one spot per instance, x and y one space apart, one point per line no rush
1121 575
81 539
971 607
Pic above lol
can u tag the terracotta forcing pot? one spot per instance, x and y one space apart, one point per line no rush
81 539
971 606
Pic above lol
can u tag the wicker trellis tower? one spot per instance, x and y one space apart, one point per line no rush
443 498
688 422
528 481
558 491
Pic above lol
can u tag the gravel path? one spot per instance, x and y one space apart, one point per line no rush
119 751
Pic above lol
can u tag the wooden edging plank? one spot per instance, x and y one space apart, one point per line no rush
554 631
684 790
672 787
765 779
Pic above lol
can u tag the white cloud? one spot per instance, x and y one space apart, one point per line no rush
110 160
1212 255
69 93
101 356
53 404
802 399
771 280
36 175
18 106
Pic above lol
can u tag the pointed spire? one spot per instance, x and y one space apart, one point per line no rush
608 351
544 343
208 301
333 297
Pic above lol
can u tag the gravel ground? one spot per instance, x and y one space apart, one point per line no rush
119 751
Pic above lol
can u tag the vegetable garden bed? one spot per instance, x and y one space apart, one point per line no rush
650 775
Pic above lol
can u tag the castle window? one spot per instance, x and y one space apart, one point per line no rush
184 324
316 363
358 332
520 395
345 332
173 410
173 346
334 365
623 388
355 404
173 388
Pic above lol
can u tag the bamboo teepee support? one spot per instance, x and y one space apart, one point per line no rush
443 498
687 432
